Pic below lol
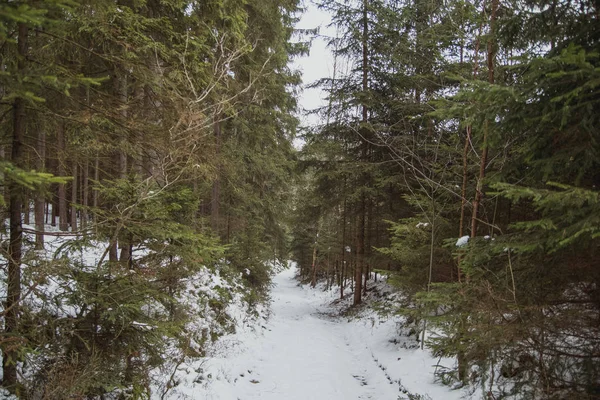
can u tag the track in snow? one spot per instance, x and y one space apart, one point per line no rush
302 354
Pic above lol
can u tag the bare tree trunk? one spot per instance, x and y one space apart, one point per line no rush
96 179
122 81
343 266
53 214
368 246
63 223
74 197
431 254
85 182
365 117
313 282
13 287
469 131
124 245
216 188
360 253
463 205
26 208
25 200
461 357
40 202
491 54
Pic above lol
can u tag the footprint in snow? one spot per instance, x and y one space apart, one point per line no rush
361 379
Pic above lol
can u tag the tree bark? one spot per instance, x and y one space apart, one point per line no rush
122 82
96 179
463 205
74 197
343 262
85 181
63 223
216 188
26 208
40 202
13 289
469 132
313 282
360 253
365 114
491 54
368 246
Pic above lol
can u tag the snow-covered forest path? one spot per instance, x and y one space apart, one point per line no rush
305 354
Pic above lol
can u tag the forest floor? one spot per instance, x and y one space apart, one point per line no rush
307 351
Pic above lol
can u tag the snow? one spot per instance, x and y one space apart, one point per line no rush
461 242
304 351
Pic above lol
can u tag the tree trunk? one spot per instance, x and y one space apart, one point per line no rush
85 181
74 197
122 82
491 54
313 282
63 223
40 202
216 187
469 132
461 357
368 246
431 254
360 253
26 208
96 179
13 287
343 263
463 205
360 248
54 210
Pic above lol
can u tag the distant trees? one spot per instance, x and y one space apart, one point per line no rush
169 126
481 123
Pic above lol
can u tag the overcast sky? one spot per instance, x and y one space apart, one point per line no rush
319 64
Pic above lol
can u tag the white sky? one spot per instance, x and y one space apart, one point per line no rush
319 64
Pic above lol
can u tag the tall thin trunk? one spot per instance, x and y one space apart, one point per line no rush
26 208
54 210
122 89
216 188
122 82
365 117
431 254
85 182
96 179
74 197
13 287
85 177
466 150
491 54
368 246
360 252
25 200
40 201
313 282
461 356
343 263
463 205
63 223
